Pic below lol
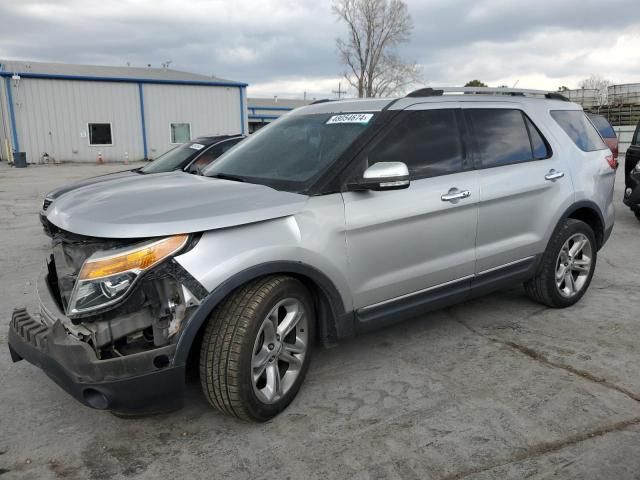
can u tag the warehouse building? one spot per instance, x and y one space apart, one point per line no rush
263 111
78 112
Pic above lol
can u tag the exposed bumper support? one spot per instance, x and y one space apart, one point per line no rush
130 385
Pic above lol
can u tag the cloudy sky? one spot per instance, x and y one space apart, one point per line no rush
287 47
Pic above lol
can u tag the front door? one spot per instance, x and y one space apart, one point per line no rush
403 242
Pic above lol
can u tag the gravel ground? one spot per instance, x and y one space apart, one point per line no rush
498 387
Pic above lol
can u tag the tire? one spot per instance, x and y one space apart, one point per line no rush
241 337
637 214
544 287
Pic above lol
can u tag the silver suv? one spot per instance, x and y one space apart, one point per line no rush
337 219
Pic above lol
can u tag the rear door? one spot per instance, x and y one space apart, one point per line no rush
523 185
632 157
403 242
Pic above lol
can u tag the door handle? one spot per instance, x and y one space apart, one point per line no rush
454 194
553 175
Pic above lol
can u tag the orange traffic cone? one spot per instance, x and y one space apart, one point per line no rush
126 158
99 158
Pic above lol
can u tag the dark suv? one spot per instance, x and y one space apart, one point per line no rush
632 174
189 157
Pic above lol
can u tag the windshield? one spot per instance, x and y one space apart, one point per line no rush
173 159
291 153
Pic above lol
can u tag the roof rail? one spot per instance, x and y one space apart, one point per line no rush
426 92
322 100
520 92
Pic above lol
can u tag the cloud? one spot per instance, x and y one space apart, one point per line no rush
287 47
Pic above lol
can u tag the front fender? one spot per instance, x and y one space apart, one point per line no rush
343 321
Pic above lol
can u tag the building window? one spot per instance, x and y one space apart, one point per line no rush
180 132
100 134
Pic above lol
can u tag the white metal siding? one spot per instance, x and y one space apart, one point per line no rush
52 116
210 111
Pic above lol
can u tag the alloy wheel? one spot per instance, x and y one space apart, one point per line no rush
279 350
573 265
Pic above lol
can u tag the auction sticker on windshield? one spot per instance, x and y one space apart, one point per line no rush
197 146
350 118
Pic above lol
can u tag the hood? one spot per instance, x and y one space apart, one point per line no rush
138 206
67 187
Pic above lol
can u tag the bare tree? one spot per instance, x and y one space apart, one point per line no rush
596 82
375 29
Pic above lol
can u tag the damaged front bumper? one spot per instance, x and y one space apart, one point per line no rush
139 383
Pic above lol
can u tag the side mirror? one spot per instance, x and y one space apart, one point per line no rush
383 176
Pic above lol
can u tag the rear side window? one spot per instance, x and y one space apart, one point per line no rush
603 126
505 136
427 141
576 124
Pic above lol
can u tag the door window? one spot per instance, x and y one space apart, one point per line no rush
427 141
502 137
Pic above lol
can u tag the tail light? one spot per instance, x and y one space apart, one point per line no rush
612 161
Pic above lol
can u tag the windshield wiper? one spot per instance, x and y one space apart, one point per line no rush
227 176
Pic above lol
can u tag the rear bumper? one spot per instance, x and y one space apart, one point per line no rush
142 383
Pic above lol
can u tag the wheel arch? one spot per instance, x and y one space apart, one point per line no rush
333 321
589 213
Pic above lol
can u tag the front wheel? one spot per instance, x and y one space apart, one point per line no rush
567 266
257 347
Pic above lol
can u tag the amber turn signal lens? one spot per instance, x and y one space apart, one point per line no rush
141 258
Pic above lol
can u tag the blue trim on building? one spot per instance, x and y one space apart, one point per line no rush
85 78
12 115
144 126
286 109
263 117
241 89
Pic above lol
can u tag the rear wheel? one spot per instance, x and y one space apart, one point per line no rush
257 347
567 266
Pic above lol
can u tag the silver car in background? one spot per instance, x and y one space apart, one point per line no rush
339 218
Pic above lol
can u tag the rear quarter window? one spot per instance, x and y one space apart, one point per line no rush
603 126
576 124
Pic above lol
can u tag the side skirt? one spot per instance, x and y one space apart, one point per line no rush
395 310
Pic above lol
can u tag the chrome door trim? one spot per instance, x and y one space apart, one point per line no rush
418 292
441 285
506 265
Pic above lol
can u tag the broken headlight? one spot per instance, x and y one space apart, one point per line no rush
106 277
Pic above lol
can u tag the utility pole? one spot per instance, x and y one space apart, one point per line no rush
339 92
